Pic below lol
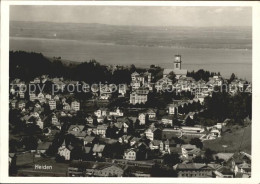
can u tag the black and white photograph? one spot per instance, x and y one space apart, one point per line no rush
130 91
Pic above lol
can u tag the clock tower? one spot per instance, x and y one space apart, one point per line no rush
177 62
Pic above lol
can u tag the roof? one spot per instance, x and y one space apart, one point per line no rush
175 149
87 149
44 145
224 156
103 127
79 134
131 149
81 127
89 138
151 111
225 171
193 166
156 142
98 148
188 146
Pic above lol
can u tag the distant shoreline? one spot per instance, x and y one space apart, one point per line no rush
119 44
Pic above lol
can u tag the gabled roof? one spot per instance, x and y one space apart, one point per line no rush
87 149
102 127
89 138
98 148
193 166
44 145
81 127
156 142
188 146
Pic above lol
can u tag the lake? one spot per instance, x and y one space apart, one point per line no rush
225 61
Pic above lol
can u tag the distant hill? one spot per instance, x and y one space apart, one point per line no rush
179 37
233 140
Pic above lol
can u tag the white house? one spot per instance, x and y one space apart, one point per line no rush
75 106
130 154
52 104
64 151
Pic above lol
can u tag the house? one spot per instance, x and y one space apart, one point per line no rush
52 104
130 154
142 118
32 97
124 139
101 130
122 125
240 162
223 156
76 128
41 96
66 106
98 150
163 84
117 112
21 104
56 97
48 96
21 94
151 114
139 96
39 122
37 80
167 120
43 147
64 151
88 140
155 144
89 119
224 172
13 103
194 170
173 109
189 151
193 131
122 89
134 141
101 112
106 91
95 169
104 169
75 106
54 119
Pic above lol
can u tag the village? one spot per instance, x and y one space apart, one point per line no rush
126 133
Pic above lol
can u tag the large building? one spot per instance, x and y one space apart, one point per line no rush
176 68
139 96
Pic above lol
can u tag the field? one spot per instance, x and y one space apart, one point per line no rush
233 140
26 166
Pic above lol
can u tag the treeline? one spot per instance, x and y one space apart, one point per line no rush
201 74
27 66
223 106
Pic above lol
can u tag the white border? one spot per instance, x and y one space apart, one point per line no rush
5 108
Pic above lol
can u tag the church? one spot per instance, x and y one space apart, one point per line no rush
176 68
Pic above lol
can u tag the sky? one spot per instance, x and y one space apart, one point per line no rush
136 15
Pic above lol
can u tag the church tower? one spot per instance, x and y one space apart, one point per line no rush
177 62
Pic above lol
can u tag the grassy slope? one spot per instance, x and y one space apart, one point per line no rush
233 140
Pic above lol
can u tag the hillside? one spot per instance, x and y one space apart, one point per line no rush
233 140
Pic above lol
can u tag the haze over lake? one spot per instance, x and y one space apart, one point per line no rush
224 50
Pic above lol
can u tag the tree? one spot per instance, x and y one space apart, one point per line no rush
197 142
208 155
171 159
189 121
232 77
